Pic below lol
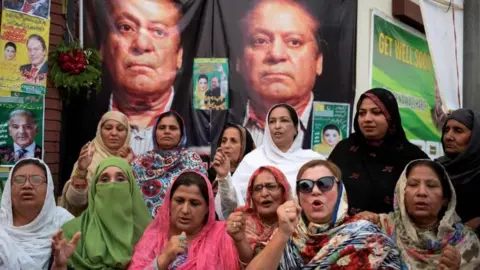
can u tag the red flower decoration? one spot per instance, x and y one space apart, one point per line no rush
151 188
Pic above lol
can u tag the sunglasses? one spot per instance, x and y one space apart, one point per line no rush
324 184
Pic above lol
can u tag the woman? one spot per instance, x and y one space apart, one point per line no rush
373 157
281 148
424 224
202 87
10 51
234 143
185 235
331 135
460 140
320 234
113 223
252 226
155 169
112 139
29 217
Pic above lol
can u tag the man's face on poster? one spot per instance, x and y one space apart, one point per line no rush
36 52
142 51
22 129
281 58
215 83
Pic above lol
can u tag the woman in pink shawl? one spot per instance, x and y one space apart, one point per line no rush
184 234
252 225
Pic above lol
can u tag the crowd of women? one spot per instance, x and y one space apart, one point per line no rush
378 202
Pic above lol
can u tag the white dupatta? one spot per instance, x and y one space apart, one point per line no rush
29 246
268 154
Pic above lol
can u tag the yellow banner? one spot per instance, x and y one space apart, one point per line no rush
24 63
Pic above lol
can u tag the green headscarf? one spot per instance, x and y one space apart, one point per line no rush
112 224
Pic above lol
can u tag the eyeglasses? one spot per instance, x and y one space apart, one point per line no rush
34 179
324 184
269 186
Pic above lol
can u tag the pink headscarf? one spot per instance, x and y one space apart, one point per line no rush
211 249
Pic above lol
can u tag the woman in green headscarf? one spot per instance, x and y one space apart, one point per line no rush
110 227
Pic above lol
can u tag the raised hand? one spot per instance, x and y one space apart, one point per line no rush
236 226
221 164
86 156
288 217
176 245
63 250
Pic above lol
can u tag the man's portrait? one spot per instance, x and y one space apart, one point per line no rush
280 60
142 52
22 128
36 71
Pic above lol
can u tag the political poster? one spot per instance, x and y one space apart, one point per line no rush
210 83
331 124
401 62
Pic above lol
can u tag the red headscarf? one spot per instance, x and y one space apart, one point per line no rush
258 234
211 249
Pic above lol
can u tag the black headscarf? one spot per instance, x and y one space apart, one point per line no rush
246 140
464 168
371 169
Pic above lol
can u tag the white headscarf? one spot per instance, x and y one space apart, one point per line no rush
268 154
29 246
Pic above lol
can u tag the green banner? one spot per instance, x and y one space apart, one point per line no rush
210 82
401 62
331 124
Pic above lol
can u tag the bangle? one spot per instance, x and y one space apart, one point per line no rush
81 173
242 263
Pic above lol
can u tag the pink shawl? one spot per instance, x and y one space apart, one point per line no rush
211 249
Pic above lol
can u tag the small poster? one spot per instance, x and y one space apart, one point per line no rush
4 172
21 126
331 124
24 63
38 8
210 84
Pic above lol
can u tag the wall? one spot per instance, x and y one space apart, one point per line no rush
364 26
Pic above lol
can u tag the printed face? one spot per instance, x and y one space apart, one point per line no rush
168 133
281 58
113 134
318 206
215 83
269 197
110 175
231 144
9 53
188 209
456 137
423 195
142 50
22 129
27 195
36 53
203 84
331 136
371 120
281 127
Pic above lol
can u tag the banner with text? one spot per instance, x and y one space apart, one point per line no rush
401 62
24 65
210 80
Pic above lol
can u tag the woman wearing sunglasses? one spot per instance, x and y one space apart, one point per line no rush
252 226
317 233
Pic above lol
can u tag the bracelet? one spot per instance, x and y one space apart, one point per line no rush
81 173
242 263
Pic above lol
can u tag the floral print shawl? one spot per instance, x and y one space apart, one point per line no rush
422 250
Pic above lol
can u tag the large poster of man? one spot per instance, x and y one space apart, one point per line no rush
295 52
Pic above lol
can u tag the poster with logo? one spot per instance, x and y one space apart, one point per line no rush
24 63
210 82
331 124
401 62
21 126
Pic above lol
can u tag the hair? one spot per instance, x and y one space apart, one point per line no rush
191 179
24 112
439 171
316 29
11 44
202 76
331 126
39 38
177 117
291 111
320 163
25 162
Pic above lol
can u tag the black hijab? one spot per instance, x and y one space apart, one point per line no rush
464 168
371 169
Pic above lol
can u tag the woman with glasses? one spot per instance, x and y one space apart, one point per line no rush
281 148
252 226
317 233
29 217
